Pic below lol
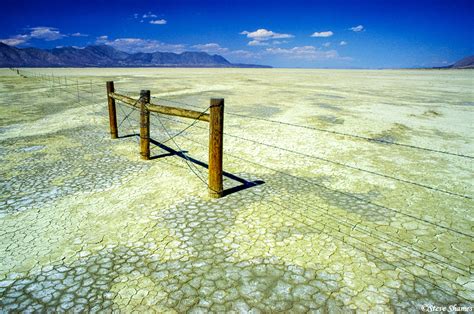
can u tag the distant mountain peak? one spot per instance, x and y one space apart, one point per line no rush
465 63
107 56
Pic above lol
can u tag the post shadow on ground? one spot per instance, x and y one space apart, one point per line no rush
245 184
128 135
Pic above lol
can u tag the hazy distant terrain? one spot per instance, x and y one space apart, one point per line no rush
345 220
106 56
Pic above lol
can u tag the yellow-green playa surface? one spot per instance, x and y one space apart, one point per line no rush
340 224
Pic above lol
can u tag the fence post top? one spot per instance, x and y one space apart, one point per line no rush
145 95
217 101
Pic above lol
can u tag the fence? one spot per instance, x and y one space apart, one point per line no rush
216 129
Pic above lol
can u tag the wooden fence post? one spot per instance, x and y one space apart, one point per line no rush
216 132
112 111
144 125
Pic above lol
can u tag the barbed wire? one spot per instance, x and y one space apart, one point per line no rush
193 123
369 139
187 160
131 128
361 137
349 166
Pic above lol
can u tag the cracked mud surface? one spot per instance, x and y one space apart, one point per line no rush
85 225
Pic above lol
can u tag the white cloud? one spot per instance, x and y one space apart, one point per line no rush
326 45
211 48
261 35
358 28
79 35
310 53
15 40
149 15
343 43
133 45
245 54
322 34
46 33
135 15
41 32
102 39
158 22
257 43
236 56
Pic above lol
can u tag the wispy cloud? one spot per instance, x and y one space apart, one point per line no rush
343 43
15 40
149 15
239 55
322 34
358 28
244 54
233 55
102 39
262 35
326 44
257 43
46 33
158 22
309 53
133 45
79 35
210 48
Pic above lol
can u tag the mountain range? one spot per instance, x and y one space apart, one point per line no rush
106 56
466 63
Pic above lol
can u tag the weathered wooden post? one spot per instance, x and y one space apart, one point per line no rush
216 132
112 110
144 125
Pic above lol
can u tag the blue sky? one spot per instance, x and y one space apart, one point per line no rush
351 33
